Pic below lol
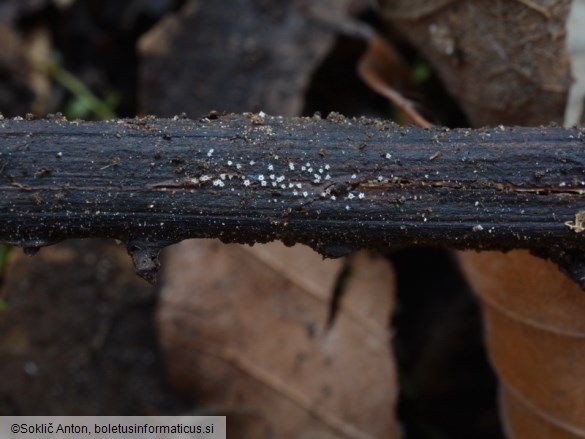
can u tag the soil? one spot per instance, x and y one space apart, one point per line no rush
77 335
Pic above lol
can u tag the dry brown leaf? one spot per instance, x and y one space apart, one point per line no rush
413 9
535 328
202 58
244 330
505 61
527 422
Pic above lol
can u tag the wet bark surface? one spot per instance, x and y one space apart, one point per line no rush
335 184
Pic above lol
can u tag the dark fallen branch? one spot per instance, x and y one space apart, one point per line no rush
336 185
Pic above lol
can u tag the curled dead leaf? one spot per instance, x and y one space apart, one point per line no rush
505 62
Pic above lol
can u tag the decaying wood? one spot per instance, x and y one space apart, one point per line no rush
335 184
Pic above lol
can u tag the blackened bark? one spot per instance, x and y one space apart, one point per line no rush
334 184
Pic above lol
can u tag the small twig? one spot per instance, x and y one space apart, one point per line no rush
377 84
381 68
336 185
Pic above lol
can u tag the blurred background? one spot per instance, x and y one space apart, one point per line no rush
283 343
